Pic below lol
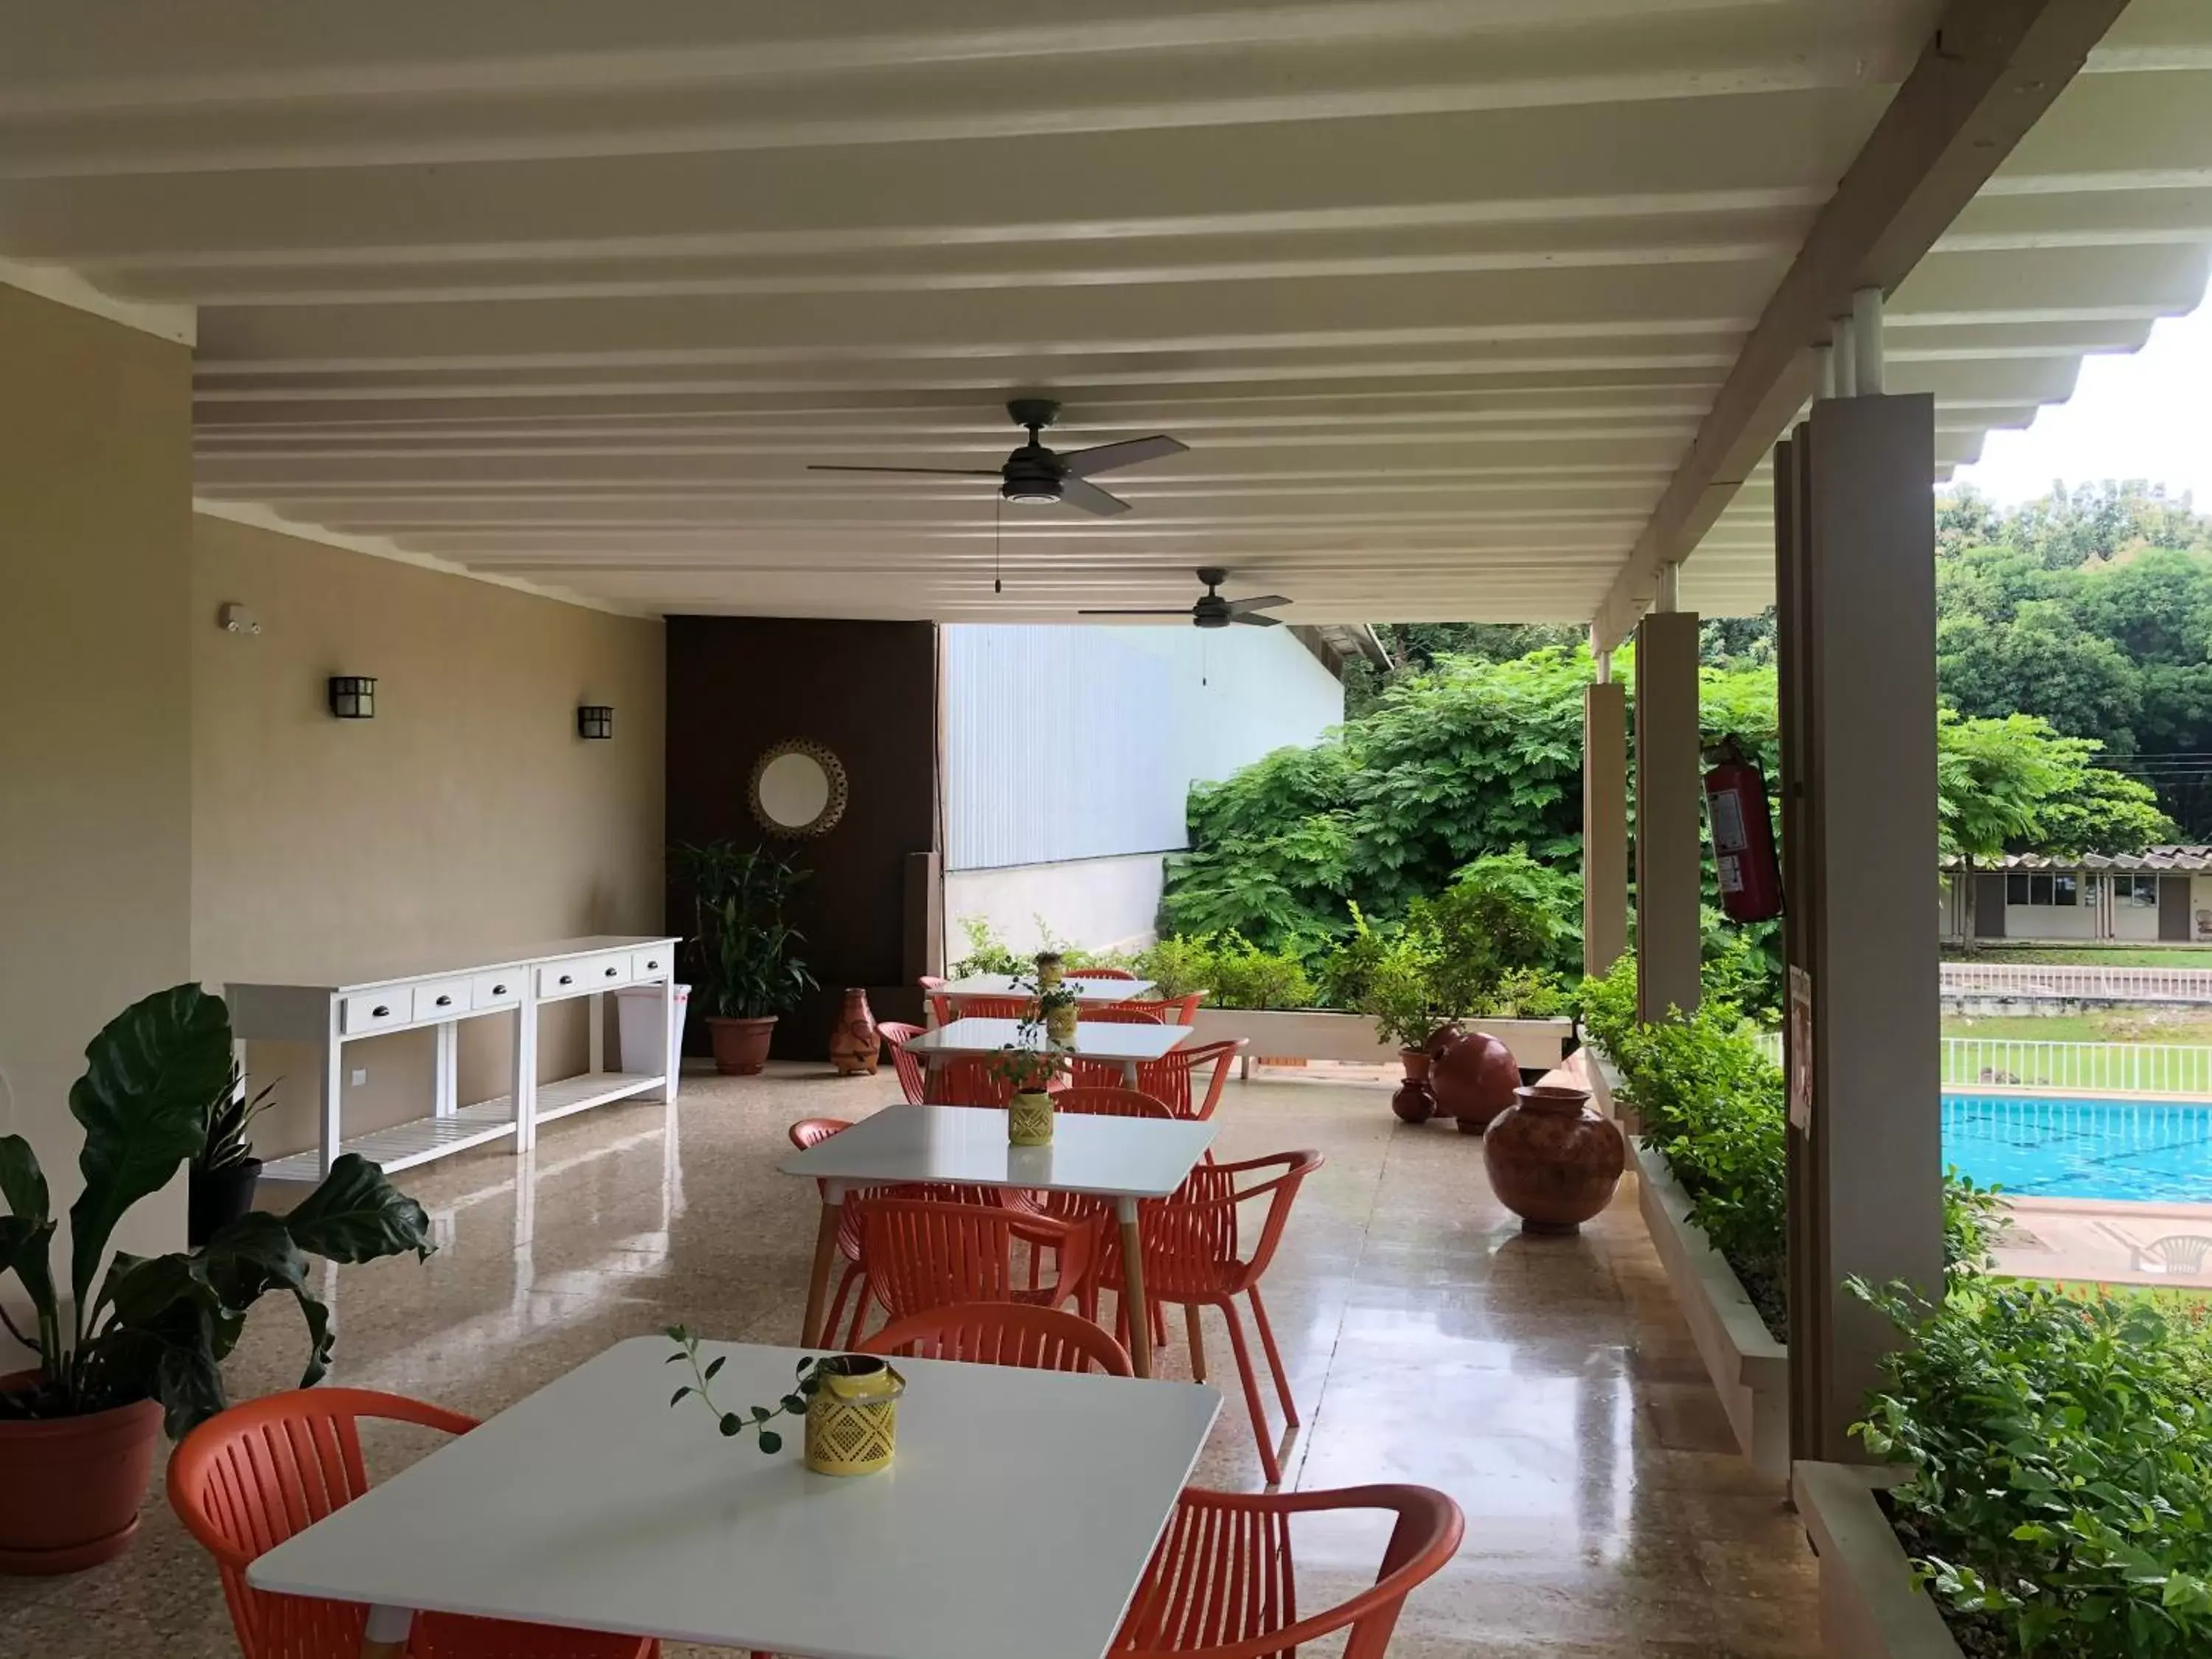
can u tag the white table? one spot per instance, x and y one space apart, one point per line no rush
327 1010
1015 1522
1108 1040
1121 1158
1090 991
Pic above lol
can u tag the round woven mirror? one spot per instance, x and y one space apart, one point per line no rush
797 789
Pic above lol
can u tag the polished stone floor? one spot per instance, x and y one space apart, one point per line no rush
1548 1384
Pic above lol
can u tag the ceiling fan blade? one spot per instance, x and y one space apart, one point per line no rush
1183 612
1102 457
1255 619
934 471
1237 607
1076 492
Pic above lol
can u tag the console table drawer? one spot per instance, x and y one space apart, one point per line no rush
442 999
501 990
582 974
648 966
373 1010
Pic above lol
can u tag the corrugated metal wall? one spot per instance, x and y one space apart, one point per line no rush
1076 743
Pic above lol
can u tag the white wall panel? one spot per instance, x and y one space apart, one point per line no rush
1067 742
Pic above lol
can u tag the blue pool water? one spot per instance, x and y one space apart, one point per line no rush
2144 1151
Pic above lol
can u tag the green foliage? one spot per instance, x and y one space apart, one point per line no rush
2014 785
159 1327
1504 914
986 953
745 965
807 1382
1233 971
1177 965
1390 975
2061 1466
226 1139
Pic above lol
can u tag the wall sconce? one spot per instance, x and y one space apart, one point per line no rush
353 696
595 720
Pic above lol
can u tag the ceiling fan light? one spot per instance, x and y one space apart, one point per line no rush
1029 495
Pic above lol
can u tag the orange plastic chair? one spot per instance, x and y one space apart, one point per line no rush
989 1007
1125 1013
921 1254
1004 1333
1169 1079
1221 1582
1176 1010
940 1007
1115 1101
968 1080
1192 1257
1099 973
250 1477
913 1075
812 1132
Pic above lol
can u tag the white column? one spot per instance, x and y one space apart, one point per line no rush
1604 825
330 1088
1669 814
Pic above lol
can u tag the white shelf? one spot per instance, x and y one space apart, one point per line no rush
582 1093
405 1144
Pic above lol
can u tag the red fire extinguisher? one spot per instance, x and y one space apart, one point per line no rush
1743 836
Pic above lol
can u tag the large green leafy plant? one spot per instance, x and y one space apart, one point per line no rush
2060 1457
159 1327
745 953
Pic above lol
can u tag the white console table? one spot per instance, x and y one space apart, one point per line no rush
328 1012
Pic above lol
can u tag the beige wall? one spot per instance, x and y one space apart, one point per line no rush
95 775
466 816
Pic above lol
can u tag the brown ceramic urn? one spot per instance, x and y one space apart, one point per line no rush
1552 1161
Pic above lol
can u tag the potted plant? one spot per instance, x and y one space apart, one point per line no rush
1392 979
138 1348
223 1173
1032 1066
746 972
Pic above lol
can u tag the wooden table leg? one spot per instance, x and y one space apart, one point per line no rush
1129 1073
810 1334
1138 1314
385 1636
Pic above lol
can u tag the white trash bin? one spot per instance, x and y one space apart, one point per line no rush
646 1044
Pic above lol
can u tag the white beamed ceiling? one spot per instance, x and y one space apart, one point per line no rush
1437 290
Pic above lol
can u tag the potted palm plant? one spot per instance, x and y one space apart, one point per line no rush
138 1348
223 1172
744 969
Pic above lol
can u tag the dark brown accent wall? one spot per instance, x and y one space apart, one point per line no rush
867 691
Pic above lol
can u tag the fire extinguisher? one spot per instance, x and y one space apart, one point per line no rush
1743 834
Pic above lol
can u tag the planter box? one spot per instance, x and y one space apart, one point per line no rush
1538 1045
1869 1606
1749 1369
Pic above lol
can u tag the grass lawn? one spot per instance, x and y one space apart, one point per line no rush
2185 1024
2087 956
2175 1297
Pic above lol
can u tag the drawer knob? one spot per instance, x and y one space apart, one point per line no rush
650 966
612 972
445 1002
566 980
379 1012
499 990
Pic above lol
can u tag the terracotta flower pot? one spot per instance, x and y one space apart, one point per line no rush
71 1486
740 1045
1474 1076
855 1045
213 1200
1552 1161
1414 1103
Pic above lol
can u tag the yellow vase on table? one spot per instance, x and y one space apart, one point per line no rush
1029 1120
852 1421
1059 1024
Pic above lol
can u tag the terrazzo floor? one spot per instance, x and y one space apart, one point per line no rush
1548 1384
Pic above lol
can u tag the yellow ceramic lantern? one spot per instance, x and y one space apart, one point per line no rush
1050 969
852 1421
1060 1023
1029 1120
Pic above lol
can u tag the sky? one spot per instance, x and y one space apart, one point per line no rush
2148 415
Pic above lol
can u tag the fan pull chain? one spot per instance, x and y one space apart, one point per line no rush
997 519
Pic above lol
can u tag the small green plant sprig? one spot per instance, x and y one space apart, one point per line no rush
803 1388
1032 1071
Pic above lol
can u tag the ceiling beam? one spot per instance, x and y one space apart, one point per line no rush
1990 71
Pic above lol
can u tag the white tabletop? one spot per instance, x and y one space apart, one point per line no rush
1095 1039
1014 1524
1086 990
1104 1157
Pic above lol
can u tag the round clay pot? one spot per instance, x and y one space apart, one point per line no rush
1414 1103
71 1486
740 1045
1552 1161
1474 1076
855 1045
215 1198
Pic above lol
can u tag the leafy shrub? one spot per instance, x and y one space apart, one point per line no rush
2061 1458
1177 965
1504 913
1390 975
990 954
1233 972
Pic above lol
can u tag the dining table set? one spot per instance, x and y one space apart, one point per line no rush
1026 1493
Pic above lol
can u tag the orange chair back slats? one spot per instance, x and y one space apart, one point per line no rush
911 1071
1170 1010
1004 1333
1110 1101
1169 1078
989 1007
1100 973
1125 1013
1221 1582
969 1080
923 1253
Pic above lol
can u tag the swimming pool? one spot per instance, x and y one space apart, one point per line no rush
2050 1147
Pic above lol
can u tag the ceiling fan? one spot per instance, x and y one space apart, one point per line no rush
1212 611
1034 473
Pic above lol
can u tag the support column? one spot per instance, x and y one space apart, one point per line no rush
1670 845
1855 595
1604 824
